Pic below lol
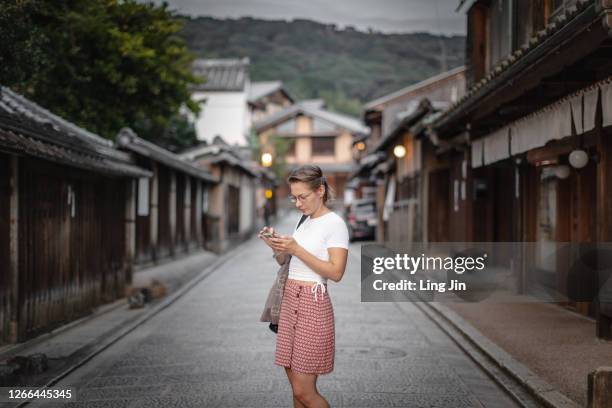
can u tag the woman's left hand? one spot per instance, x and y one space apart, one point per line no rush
284 244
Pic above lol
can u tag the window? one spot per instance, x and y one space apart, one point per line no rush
291 147
286 127
407 188
323 146
500 31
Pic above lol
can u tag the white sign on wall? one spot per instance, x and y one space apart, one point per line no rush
143 196
204 200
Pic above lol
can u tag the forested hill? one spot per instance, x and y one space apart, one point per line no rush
345 67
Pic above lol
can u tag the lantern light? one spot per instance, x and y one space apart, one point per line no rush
399 151
360 146
268 193
266 159
578 158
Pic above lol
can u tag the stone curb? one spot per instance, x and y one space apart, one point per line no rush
535 385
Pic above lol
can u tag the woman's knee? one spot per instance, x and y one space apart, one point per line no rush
303 395
304 391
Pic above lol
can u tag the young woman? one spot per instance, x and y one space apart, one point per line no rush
305 343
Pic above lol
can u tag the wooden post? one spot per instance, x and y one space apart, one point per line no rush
220 208
198 213
604 216
380 204
172 198
130 229
528 202
424 203
14 327
600 388
223 226
154 210
520 193
187 212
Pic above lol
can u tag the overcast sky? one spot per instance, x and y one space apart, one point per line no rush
435 16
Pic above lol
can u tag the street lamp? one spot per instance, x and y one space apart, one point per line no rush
399 151
266 159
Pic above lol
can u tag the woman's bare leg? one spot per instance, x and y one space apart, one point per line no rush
305 390
296 402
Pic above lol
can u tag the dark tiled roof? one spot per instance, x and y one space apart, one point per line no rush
29 129
219 153
368 163
310 108
504 67
313 103
410 118
222 74
127 139
414 87
258 90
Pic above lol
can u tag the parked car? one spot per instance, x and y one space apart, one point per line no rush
361 218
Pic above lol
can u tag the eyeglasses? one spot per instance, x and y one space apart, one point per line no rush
299 198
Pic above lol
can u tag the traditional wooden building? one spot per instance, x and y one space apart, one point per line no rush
316 136
231 214
395 168
66 219
266 98
527 150
171 206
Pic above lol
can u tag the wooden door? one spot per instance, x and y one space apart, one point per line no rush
438 206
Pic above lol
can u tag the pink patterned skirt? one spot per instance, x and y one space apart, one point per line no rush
306 340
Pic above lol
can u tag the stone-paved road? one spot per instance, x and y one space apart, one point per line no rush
208 349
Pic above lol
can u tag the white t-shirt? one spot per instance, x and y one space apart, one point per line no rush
315 235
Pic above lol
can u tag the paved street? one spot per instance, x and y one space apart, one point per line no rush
208 349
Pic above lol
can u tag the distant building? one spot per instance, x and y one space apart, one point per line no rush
266 98
232 212
230 102
224 97
384 113
317 136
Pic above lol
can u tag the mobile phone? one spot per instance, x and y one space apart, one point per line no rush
268 234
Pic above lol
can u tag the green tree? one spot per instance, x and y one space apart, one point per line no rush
345 67
102 64
24 45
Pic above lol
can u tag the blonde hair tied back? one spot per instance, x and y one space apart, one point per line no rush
313 176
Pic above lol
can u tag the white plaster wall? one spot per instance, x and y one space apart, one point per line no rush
223 113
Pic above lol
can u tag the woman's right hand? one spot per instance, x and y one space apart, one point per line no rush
266 239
